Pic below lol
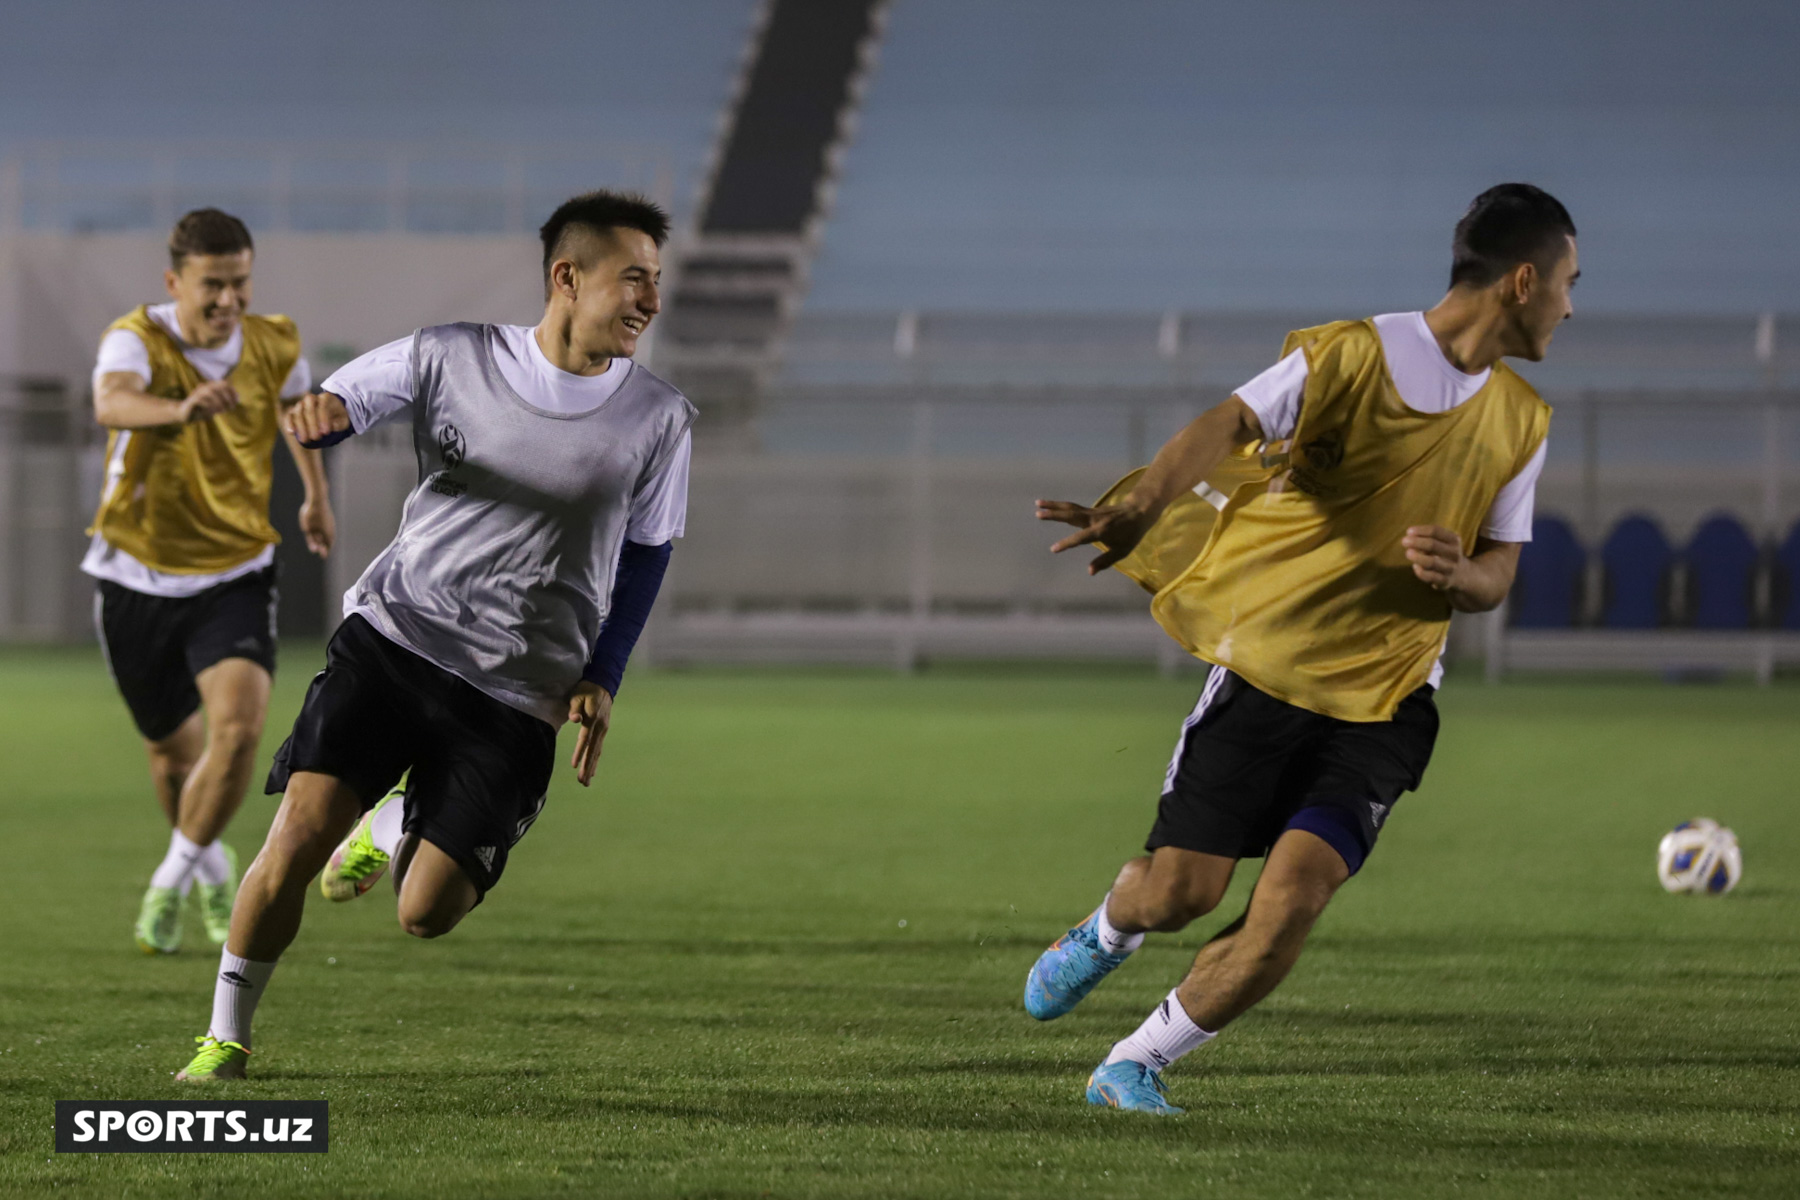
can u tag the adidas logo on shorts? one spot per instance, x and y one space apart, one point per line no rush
486 855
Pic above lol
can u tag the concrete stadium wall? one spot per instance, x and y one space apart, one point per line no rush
349 292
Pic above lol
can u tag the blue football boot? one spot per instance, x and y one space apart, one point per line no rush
1131 1086
1065 973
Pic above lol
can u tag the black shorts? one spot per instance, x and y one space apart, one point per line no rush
1247 764
156 646
480 768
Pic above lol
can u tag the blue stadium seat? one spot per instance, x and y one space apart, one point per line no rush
1637 561
1546 594
1787 581
1721 575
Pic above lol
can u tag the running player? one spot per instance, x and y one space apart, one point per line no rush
183 549
552 477
1386 474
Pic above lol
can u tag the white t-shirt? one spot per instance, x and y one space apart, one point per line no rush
123 350
1427 383
378 387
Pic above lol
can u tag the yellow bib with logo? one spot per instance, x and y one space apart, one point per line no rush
1299 582
193 499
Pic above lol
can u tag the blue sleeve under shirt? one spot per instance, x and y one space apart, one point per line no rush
635 585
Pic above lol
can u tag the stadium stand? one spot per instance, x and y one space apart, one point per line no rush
1722 565
1547 593
1785 609
1637 563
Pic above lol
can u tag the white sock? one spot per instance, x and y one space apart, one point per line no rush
177 867
1166 1035
1111 940
385 829
211 867
235 994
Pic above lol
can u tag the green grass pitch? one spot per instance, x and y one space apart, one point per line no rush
778 951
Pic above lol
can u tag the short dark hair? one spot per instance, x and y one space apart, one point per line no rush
600 211
208 231
1505 226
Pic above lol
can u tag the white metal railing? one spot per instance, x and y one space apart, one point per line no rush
907 349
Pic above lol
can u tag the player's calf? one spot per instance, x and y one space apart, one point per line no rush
314 814
1169 889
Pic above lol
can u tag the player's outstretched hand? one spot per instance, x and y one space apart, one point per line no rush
314 419
1436 554
1119 526
590 706
209 400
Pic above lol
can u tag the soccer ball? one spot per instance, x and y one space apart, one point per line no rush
1699 856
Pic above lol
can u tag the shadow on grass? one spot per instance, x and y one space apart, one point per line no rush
1224 1127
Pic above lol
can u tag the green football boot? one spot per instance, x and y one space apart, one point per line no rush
215 900
158 928
356 864
216 1060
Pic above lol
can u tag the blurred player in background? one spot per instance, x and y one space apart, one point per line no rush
552 477
183 549
1392 467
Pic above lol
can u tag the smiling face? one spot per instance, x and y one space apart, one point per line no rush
609 282
211 294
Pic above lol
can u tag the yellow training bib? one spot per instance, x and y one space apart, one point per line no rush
193 499
1300 583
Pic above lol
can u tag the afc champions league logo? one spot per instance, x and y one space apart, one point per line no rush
454 451
451 447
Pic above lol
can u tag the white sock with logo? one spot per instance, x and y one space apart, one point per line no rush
1111 940
211 867
235 995
177 867
1166 1035
385 830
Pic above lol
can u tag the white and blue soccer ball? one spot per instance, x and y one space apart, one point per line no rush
1699 856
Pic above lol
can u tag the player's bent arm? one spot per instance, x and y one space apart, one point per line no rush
317 420
1184 461
120 402
1470 582
1194 453
1487 578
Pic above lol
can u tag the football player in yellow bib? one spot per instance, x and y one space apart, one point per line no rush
1310 537
182 549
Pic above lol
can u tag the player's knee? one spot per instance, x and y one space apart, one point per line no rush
429 912
1290 907
234 736
429 924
